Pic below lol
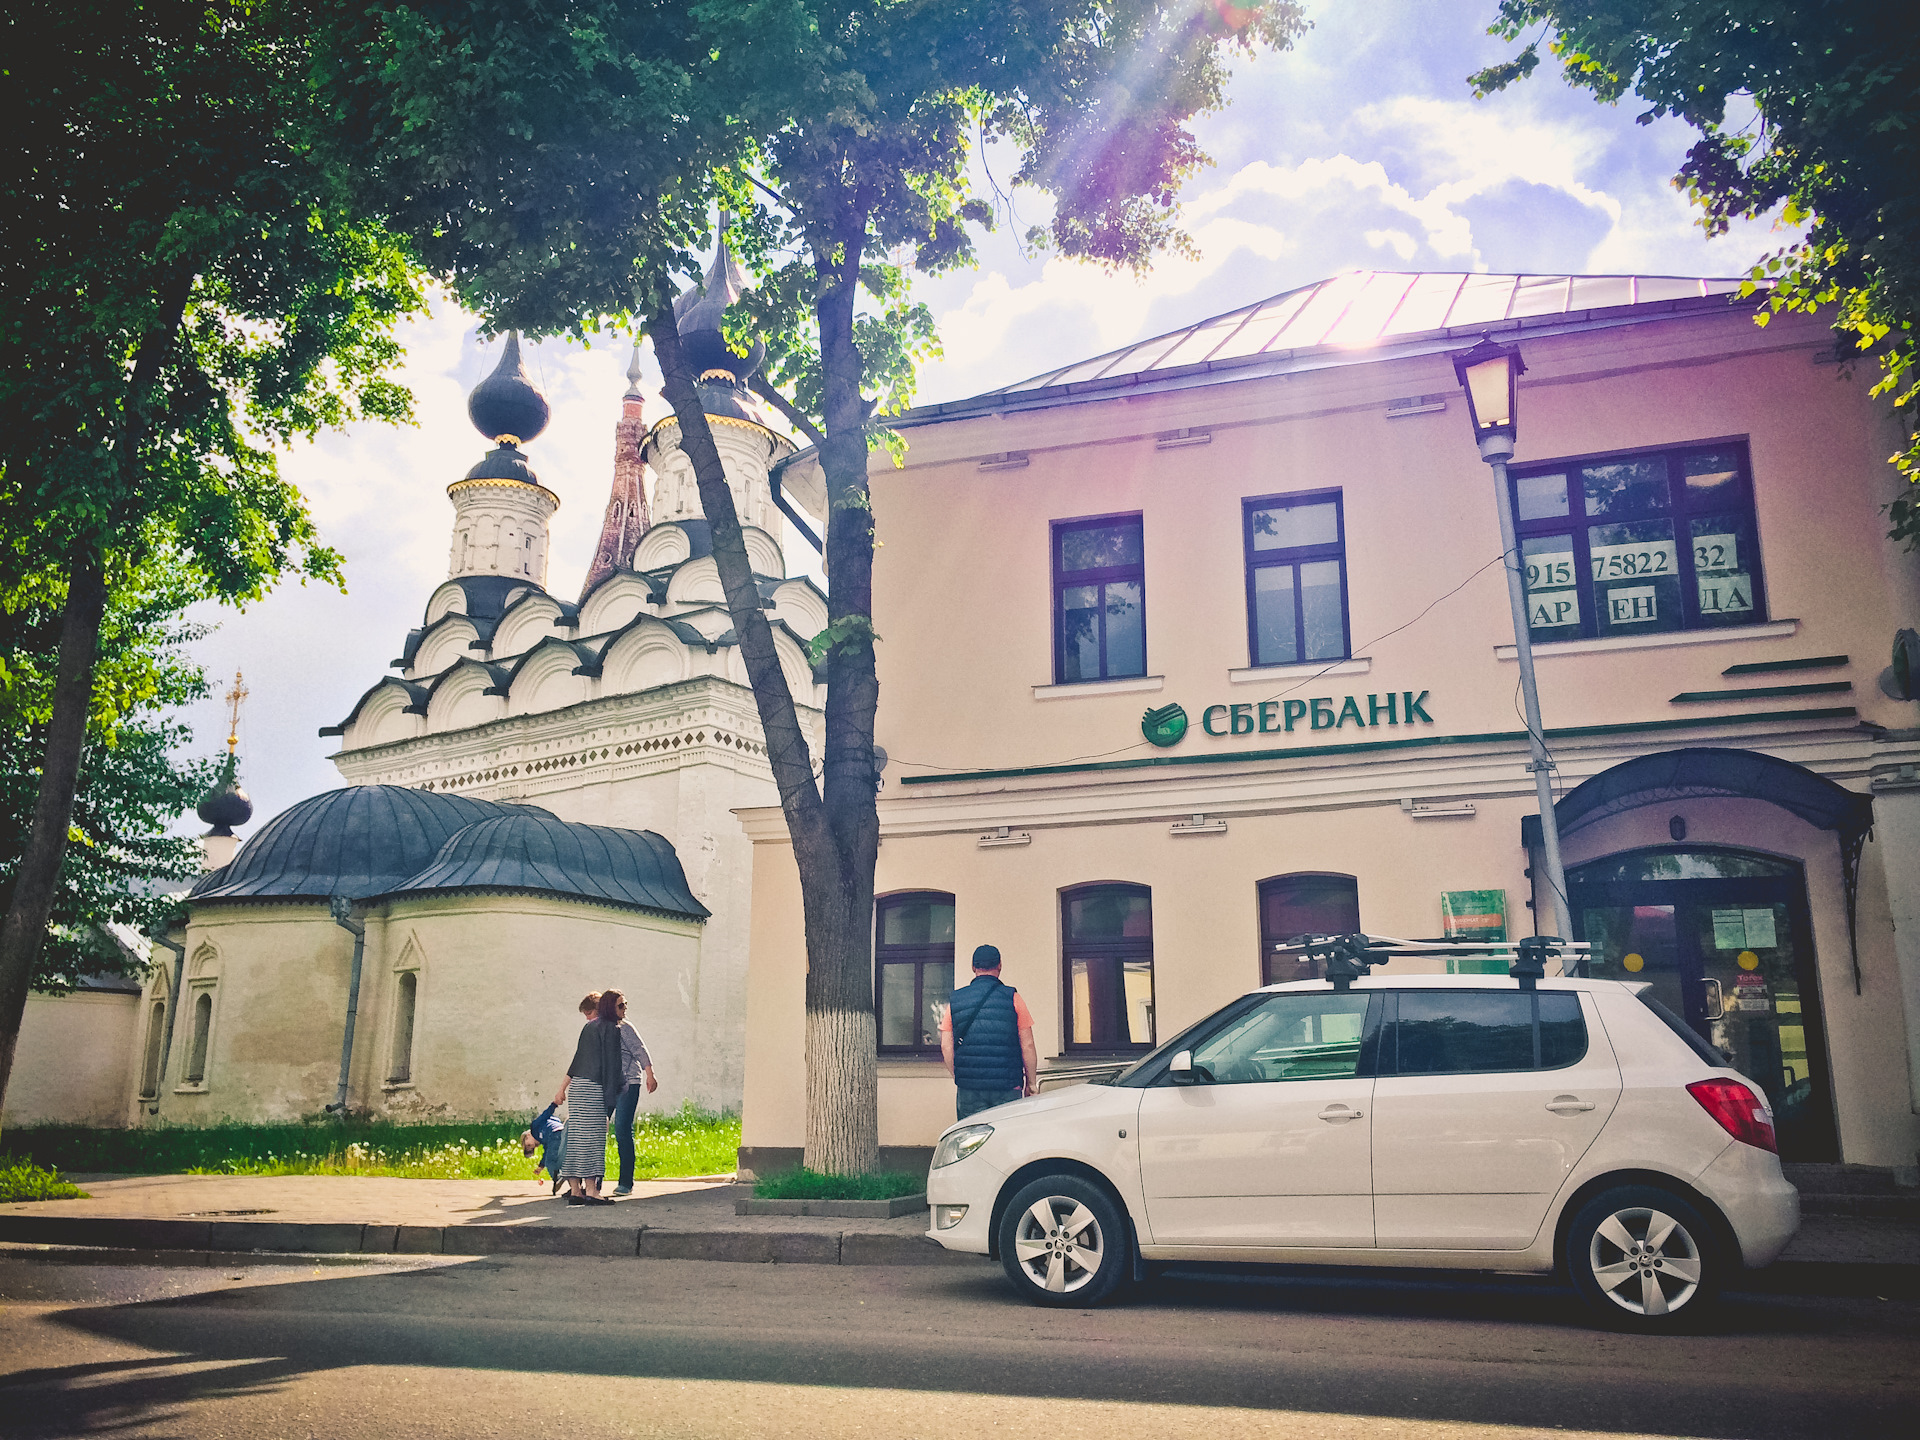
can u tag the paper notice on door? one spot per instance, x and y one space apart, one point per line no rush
1730 929
1759 925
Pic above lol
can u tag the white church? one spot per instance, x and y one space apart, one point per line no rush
539 802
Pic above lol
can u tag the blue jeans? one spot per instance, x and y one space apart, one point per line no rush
623 1113
967 1102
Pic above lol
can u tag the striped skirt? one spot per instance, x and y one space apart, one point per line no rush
585 1156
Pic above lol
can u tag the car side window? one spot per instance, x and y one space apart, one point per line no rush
1290 1037
1464 1032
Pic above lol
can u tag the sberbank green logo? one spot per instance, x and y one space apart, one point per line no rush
1164 726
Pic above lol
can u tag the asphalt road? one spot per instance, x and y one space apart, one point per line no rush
529 1348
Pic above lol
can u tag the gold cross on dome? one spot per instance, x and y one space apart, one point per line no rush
234 697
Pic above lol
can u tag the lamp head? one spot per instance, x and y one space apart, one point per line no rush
1490 373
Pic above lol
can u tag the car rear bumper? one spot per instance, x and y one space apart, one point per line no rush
1759 1203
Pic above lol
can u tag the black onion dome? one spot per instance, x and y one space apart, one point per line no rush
507 407
532 852
504 463
357 841
697 316
226 805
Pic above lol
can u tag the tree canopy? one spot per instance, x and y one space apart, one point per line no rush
1834 87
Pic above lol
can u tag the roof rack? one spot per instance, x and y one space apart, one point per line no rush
1349 957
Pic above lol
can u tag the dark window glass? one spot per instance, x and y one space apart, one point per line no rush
1107 967
1685 1032
1295 905
1453 1032
913 964
1296 579
1640 545
1563 1030
1099 600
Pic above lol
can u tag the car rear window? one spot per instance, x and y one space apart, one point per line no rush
1686 1032
1462 1032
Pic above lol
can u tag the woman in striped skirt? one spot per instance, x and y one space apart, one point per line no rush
590 1091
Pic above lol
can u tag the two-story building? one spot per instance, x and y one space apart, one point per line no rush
1205 643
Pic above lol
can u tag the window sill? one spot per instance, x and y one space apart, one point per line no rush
1137 684
1267 674
190 1089
1547 649
393 1085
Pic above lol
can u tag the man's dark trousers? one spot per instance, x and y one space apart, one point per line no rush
968 1102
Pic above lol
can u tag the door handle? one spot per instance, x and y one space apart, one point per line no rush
1716 1002
1568 1104
1341 1112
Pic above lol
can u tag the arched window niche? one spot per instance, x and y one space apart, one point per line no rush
202 1031
150 1076
1106 967
1307 902
406 996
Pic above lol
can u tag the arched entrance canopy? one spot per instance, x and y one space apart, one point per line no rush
1692 774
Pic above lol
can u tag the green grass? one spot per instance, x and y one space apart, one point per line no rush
21 1179
691 1142
805 1184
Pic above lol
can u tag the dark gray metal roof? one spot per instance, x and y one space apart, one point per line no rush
358 841
532 851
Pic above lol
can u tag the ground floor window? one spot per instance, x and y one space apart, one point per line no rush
1303 904
913 963
156 1037
408 992
1107 964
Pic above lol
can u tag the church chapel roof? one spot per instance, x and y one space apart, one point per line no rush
532 852
368 841
357 841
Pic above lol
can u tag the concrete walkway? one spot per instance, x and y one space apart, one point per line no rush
662 1219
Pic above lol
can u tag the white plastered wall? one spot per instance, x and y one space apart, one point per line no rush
71 1061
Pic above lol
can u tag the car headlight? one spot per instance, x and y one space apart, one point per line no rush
956 1145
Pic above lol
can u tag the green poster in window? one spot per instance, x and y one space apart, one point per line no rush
1479 916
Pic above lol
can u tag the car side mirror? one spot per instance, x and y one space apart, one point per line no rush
1180 1069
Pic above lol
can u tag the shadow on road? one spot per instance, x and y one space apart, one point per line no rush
1485 1352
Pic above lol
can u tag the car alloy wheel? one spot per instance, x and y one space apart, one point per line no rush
1063 1241
1644 1258
1645 1261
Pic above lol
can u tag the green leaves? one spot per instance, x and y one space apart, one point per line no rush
1836 147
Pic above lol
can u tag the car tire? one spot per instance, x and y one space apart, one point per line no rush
1644 1259
1063 1241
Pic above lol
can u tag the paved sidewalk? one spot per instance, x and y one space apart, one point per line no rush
663 1219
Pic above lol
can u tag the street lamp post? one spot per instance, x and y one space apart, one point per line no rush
1491 373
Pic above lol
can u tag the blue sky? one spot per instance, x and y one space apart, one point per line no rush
1361 148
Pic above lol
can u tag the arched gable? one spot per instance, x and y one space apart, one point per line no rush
661 546
391 712
527 622
696 583
448 598
614 602
448 640
647 654
546 678
469 694
763 552
800 603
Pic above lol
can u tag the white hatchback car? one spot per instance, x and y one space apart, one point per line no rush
1448 1122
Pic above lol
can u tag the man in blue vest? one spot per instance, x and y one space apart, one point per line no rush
986 1038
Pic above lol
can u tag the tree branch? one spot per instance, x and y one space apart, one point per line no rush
763 387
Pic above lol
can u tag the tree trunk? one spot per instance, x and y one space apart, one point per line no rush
835 852
24 932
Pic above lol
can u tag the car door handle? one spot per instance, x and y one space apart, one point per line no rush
1341 1112
1568 1104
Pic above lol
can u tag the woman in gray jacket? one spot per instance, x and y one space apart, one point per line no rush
590 1091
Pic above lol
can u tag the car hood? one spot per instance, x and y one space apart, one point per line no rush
1043 1104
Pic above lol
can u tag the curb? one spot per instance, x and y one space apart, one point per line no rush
836 1209
645 1242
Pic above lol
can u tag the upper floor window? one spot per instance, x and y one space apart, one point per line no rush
913 955
1099 599
1296 547
1108 960
1295 905
1640 543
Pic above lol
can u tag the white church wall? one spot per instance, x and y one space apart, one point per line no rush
527 622
763 551
384 719
662 545
696 583
614 604
72 1061
498 984
546 682
800 605
461 701
450 642
644 657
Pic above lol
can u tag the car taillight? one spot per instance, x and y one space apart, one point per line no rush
1740 1113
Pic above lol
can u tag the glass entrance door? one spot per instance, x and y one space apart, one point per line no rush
1722 938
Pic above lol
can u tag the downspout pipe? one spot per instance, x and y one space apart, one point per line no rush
342 909
179 950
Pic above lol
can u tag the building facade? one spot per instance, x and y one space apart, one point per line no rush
1205 644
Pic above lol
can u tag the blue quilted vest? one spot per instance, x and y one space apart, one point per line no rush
988 1058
